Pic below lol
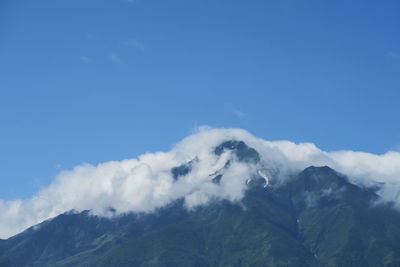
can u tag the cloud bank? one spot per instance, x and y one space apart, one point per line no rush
146 183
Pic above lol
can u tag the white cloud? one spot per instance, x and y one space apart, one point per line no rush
145 183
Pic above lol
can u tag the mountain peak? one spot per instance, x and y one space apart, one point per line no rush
319 178
242 151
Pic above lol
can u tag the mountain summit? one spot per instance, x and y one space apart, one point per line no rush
315 217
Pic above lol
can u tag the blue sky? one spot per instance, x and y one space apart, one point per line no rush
99 80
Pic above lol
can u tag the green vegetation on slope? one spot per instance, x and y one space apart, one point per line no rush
315 219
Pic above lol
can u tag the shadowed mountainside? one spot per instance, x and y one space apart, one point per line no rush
317 218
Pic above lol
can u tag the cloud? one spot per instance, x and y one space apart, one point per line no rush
85 59
115 58
145 183
396 148
394 54
239 114
135 44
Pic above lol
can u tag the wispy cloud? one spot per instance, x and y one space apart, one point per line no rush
134 44
239 114
395 148
85 59
115 58
394 54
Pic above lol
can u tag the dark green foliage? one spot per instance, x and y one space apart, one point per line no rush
53 240
315 219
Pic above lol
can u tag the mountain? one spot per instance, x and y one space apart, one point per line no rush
314 218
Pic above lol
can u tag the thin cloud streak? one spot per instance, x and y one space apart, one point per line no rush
134 44
394 54
115 58
85 59
239 114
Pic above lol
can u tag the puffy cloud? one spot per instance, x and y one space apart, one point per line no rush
146 183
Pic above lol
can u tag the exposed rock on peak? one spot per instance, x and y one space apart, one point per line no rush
242 151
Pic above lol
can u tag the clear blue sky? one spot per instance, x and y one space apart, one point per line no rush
99 80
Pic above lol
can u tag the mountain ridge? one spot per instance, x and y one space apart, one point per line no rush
315 218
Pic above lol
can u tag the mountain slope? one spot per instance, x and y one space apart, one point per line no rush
339 222
315 218
318 219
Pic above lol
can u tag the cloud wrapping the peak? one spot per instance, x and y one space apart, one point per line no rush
146 183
